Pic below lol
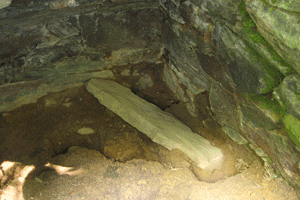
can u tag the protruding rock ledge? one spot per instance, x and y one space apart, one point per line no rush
162 127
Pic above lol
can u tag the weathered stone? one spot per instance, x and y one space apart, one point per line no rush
290 5
174 84
61 76
191 105
17 94
287 94
172 10
257 117
236 137
131 55
21 93
292 125
136 73
246 66
145 82
247 30
4 3
232 52
191 108
268 106
104 74
227 9
190 95
184 62
224 105
258 151
39 38
280 28
60 4
162 127
54 32
85 131
40 57
248 70
181 93
125 72
278 147
121 29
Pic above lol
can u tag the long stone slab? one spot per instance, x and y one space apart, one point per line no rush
162 127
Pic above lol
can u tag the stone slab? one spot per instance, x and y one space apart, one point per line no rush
162 127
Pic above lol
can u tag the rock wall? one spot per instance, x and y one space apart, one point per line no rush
54 45
238 52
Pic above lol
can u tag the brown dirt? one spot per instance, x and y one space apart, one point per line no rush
117 161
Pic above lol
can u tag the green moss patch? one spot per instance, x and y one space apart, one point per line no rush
254 37
266 102
292 125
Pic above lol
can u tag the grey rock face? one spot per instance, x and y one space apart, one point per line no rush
130 35
279 27
237 47
287 94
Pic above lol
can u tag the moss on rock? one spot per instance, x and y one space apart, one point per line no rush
292 125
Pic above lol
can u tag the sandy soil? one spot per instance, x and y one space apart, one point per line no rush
116 161
102 178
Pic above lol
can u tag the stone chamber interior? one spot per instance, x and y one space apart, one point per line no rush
59 141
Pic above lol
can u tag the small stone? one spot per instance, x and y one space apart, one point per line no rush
38 180
126 72
67 104
142 182
85 131
145 82
136 73
50 103
104 74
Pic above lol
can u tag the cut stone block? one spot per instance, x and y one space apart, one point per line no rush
162 127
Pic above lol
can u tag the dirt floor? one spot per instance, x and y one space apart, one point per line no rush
44 155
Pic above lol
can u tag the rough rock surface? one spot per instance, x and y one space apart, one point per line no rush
122 35
236 50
